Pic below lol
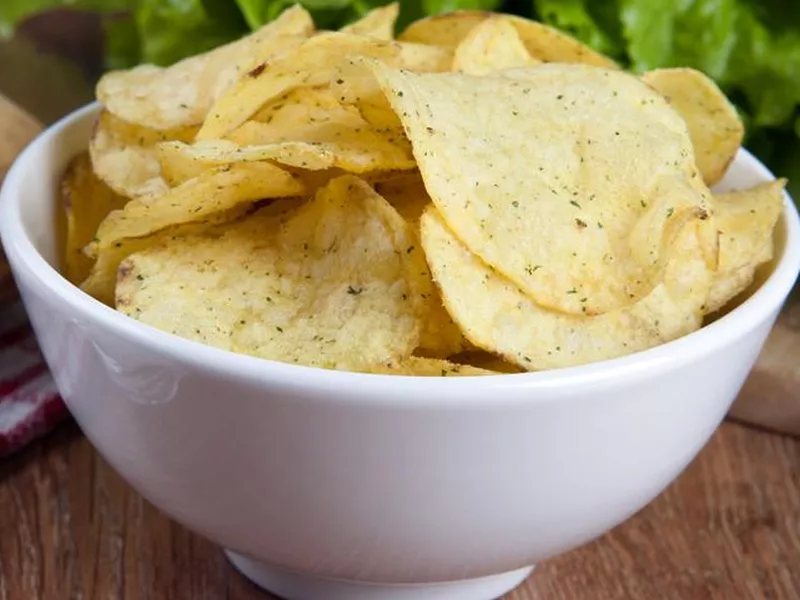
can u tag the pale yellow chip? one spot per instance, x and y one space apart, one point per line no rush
446 30
124 156
378 23
496 316
354 85
746 220
416 366
102 279
714 125
215 191
309 65
491 46
361 149
542 42
87 201
182 94
546 178
325 286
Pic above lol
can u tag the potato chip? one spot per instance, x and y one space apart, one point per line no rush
492 45
102 279
377 23
123 155
746 220
714 125
87 201
214 191
182 94
352 152
306 107
542 42
498 317
416 366
325 286
309 65
521 170
446 30
354 85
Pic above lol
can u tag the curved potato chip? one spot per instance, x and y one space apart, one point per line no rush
377 23
181 95
446 30
714 125
124 157
521 170
214 191
354 84
311 64
87 201
491 46
102 279
496 316
416 366
746 220
324 286
542 42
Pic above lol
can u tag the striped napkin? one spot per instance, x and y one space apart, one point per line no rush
29 402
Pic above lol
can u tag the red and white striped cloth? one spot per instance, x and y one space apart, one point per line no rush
29 402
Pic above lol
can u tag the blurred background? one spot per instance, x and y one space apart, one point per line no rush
52 51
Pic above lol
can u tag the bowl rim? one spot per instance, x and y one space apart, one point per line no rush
722 332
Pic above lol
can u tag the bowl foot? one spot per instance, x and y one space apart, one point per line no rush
292 586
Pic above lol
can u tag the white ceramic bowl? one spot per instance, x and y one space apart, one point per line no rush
330 485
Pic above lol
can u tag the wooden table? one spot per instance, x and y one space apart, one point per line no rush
729 528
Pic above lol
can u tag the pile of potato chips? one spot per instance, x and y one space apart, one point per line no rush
481 195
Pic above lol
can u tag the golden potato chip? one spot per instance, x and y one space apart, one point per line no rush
87 201
377 23
417 366
304 106
123 155
182 94
324 286
309 65
354 85
352 151
542 42
102 279
446 30
214 191
551 45
498 317
492 45
536 176
714 125
746 220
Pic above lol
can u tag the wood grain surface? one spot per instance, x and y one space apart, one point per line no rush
728 528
